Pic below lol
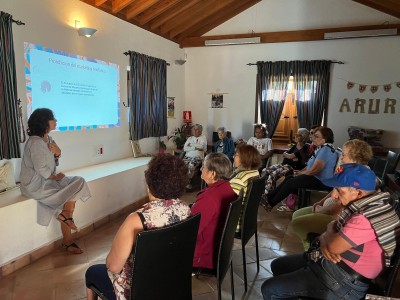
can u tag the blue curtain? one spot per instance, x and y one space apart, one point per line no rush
311 84
272 81
9 130
148 96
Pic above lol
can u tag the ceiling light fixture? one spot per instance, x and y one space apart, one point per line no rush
239 41
360 33
84 31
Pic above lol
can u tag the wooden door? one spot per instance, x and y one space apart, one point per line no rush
288 121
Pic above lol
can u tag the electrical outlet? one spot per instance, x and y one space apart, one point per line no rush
99 150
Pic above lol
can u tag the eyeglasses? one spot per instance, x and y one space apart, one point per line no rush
317 136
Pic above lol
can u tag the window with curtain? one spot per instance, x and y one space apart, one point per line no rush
305 83
9 130
147 96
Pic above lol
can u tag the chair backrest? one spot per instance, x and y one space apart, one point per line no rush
392 159
163 261
249 219
225 247
384 284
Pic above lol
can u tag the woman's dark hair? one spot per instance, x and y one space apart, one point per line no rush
166 176
250 159
38 122
326 133
220 164
263 128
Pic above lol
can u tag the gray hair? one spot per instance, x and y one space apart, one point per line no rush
304 133
197 126
220 164
222 129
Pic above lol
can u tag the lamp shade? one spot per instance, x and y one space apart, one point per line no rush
85 31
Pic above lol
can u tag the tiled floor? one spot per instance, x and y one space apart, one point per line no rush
61 275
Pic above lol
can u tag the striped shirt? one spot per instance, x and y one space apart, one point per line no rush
381 215
241 181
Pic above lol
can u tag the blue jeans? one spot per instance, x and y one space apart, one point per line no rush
295 275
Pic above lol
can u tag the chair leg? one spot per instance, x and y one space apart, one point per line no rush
232 286
244 267
257 255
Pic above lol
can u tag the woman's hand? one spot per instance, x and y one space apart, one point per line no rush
53 147
57 177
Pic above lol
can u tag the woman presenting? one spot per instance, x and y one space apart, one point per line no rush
39 179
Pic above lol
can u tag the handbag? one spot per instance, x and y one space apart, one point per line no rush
291 201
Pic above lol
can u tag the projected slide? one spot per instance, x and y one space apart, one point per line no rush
82 92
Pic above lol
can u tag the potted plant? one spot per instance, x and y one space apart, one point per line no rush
161 147
179 137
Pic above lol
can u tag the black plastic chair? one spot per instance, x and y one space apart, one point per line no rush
248 228
384 284
164 256
224 257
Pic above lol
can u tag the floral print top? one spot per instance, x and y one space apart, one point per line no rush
154 214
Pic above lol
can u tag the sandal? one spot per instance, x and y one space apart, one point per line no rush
284 208
68 221
72 248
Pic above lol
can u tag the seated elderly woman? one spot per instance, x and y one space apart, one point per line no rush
224 145
294 159
246 161
166 178
315 218
213 204
320 166
262 144
195 147
350 253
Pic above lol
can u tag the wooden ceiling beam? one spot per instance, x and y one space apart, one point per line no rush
138 7
284 36
202 16
217 19
390 7
118 5
99 2
193 13
157 10
172 13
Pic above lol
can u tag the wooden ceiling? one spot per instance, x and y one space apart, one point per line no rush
185 21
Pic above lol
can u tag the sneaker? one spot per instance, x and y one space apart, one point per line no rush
284 209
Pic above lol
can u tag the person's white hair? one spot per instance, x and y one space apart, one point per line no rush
198 126
222 129
304 133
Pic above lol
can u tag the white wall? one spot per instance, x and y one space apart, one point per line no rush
224 69
50 23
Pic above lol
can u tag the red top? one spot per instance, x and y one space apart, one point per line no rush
213 204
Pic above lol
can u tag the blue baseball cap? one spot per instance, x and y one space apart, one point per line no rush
352 175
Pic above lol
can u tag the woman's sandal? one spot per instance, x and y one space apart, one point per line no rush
72 248
68 221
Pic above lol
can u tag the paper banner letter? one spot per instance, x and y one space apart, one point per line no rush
345 105
390 104
350 85
387 87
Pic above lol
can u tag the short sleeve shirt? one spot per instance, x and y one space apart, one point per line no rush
366 257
